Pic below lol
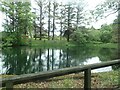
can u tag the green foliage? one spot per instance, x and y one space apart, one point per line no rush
79 37
94 35
83 35
106 27
10 39
115 31
18 22
105 9
109 78
50 43
6 41
106 37
66 83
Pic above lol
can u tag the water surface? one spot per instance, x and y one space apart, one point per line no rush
23 60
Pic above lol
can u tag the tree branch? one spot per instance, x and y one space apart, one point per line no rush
113 12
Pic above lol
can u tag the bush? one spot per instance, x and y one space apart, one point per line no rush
106 37
79 37
94 35
11 39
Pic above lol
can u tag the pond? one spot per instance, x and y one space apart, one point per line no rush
24 60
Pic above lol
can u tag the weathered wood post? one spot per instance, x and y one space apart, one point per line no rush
119 78
87 79
9 85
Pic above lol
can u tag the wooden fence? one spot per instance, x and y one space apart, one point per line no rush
9 82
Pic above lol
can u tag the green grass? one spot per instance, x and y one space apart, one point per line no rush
64 43
66 83
110 78
103 45
99 80
50 43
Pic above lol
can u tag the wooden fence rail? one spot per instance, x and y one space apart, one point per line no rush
9 82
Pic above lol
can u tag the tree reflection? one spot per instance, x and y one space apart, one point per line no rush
53 60
31 60
21 60
48 61
40 65
60 58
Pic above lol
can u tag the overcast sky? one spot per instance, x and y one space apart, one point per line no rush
90 5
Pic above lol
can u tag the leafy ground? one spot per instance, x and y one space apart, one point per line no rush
99 80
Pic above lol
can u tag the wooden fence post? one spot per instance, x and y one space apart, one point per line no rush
119 77
9 85
87 79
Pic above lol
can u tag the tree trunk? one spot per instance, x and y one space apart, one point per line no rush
68 35
49 22
53 20
48 61
41 21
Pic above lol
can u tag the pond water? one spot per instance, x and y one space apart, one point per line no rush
23 60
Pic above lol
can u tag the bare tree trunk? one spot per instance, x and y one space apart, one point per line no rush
53 20
41 21
48 60
68 35
49 22
119 30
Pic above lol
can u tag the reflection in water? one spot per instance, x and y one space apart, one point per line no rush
92 60
97 60
32 60
105 69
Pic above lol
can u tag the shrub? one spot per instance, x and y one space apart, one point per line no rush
11 39
106 37
94 35
79 38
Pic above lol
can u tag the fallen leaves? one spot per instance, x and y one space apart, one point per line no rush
98 80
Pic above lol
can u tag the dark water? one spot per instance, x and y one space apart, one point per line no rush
22 60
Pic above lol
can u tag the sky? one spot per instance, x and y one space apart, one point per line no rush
108 20
1 19
91 5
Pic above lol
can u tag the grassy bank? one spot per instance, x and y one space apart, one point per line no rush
105 45
50 43
64 43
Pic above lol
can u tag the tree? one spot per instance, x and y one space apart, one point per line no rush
106 27
106 36
69 10
61 18
19 21
115 31
41 13
80 18
79 37
74 17
106 8
41 5
55 5
49 18
35 26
